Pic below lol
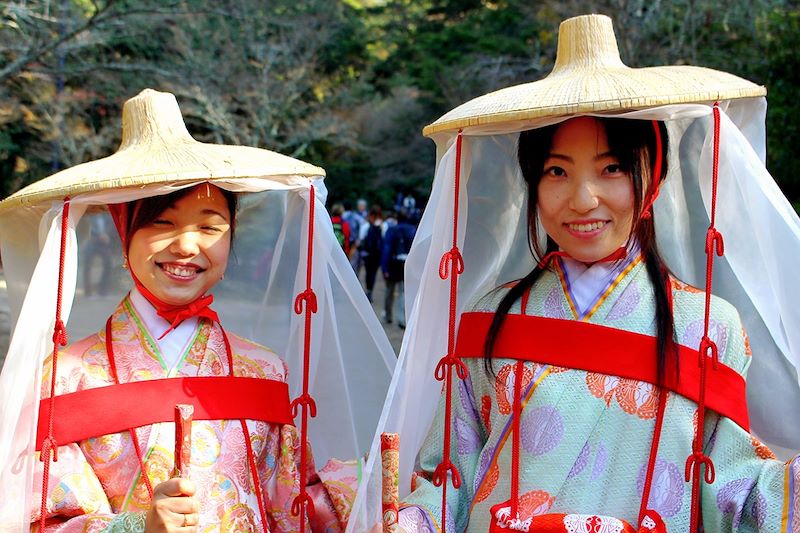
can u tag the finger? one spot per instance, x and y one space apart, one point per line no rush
179 505
176 487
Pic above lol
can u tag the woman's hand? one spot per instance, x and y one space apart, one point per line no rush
174 508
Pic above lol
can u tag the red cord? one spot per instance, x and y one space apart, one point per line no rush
306 300
519 368
655 186
49 445
714 243
452 266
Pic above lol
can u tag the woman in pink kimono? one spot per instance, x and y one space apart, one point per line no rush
104 455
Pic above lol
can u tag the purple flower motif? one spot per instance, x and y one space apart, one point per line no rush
600 461
468 439
759 509
542 429
553 306
627 302
467 397
731 498
485 461
581 461
666 492
716 331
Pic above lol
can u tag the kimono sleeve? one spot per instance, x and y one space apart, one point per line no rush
467 439
332 490
752 490
76 500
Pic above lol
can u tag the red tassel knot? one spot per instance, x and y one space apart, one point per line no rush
450 361
452 257
714 241
300 500
308 401
60 333
440 474
708 348
308 297
693 463
49 448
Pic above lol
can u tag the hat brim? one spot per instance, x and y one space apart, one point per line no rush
141 166
592 90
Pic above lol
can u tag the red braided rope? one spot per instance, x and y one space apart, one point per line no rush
49 445
136 447
519 368
306 300
451 265
655 185
707 348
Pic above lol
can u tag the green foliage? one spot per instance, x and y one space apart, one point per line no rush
347 85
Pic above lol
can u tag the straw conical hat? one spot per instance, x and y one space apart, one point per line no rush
589 77
156 148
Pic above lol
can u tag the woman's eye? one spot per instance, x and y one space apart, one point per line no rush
614 168
555 171
212 229
161 222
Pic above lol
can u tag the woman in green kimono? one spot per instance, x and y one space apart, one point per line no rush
586 385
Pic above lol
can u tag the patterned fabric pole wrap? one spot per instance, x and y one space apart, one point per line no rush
390 465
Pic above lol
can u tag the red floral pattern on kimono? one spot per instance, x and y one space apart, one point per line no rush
97 483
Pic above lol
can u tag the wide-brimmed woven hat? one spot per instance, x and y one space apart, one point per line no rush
157 148
589 77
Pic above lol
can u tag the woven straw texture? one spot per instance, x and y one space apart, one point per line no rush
157 148
589 77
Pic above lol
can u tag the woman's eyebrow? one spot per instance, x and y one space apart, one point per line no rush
563 157
214 212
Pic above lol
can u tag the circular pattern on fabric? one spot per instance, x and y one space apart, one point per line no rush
504 386
717 332
224 494
667 489
104 450
239 518
205 444
731 498
541 429
626 303
489 483
581 461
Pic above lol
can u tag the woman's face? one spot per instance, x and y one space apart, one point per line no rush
585 198
181 254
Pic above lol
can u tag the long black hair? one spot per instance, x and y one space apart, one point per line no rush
633 142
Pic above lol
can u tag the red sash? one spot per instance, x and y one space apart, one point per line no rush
115 408
605 350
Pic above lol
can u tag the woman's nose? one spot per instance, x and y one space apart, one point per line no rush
185 243
584 196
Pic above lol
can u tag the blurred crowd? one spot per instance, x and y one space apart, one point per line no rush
375 239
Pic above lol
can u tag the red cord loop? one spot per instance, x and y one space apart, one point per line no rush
306 400
714 241
440 474
452 257
708 348
693 463
309 297
450 361
300 500
49 447
60 333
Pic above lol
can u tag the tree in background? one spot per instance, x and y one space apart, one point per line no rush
347 84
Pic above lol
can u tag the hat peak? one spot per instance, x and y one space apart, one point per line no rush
586 42
153 117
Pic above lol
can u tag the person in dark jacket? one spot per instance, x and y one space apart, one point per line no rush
396 245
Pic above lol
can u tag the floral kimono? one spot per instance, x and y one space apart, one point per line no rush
585 437
97 484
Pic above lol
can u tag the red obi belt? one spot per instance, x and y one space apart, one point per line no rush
115 408
604 350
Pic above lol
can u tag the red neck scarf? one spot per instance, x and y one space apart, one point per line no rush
619 253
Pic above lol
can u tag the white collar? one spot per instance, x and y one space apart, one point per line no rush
173 344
